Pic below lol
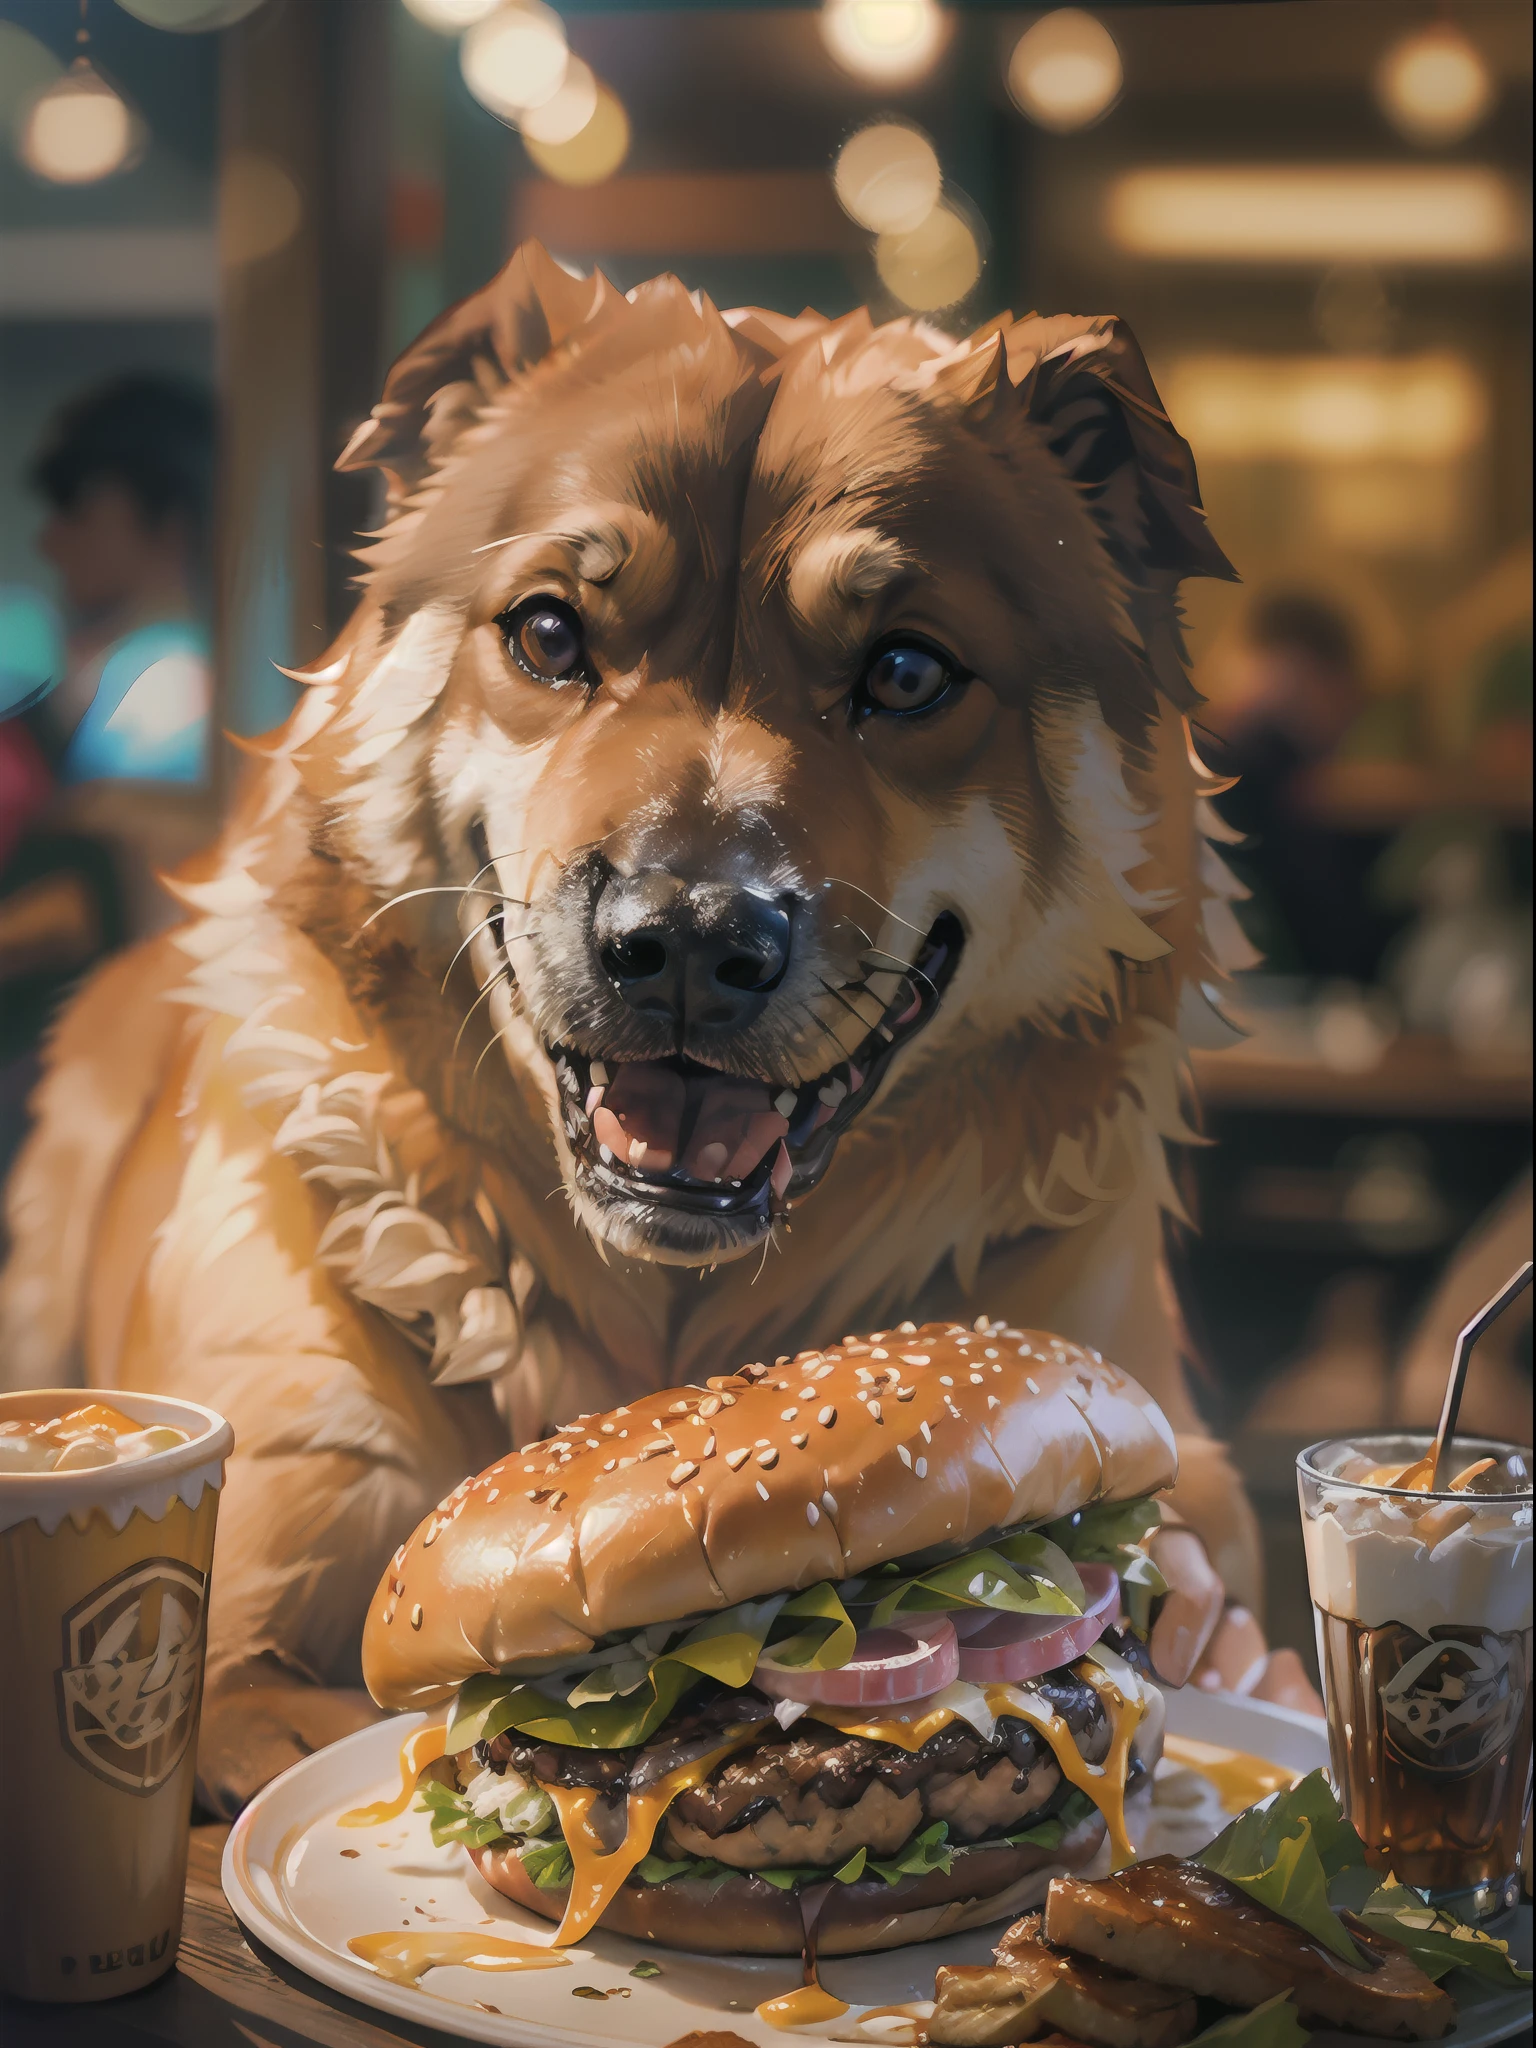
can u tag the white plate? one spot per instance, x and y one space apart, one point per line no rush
289 1881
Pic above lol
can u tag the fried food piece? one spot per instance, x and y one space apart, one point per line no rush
1179 1924
1034 1988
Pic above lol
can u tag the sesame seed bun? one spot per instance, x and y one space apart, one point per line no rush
817 1467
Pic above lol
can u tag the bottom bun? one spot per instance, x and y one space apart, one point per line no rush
745 1916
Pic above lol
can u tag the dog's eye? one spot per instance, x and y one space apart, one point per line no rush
905 676
544 637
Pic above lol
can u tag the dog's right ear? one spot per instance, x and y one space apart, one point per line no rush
438 386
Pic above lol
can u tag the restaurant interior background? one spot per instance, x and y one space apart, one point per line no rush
1312 213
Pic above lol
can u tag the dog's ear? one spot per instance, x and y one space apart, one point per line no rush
1086 385
469 352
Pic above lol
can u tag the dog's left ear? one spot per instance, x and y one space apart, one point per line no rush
439 384
1086 385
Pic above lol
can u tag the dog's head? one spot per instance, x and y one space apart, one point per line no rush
750 702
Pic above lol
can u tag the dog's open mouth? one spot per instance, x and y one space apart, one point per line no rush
688 1137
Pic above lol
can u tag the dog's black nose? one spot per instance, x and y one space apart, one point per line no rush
702 954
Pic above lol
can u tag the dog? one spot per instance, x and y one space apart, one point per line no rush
741 875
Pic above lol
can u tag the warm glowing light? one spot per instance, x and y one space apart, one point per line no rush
933 264
515 59
259 207
1318 213
1433 86
887 177
562 118
1065 71
591 156
26 68
1327 409
889 42
189 17
76 131
449 17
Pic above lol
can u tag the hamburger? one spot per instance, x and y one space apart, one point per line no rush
847 1649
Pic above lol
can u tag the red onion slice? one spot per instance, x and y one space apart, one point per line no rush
914 1656
1005 1649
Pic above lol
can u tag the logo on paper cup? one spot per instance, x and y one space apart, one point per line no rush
128 1688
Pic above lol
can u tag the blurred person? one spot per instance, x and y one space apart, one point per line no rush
126 471
1299 692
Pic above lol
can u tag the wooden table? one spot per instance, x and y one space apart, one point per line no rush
226 1991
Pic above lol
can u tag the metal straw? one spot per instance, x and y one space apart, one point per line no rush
1461 1358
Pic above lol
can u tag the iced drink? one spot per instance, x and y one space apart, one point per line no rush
1423 1610
107 1509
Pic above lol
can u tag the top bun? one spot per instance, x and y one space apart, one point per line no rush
760 1482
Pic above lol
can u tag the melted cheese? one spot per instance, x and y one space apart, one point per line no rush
808 2007
910 1727
1240 1780
597 1873
408 1956
421 1747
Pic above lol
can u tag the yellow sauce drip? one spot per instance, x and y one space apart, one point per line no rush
597 1873
1240 1779
406 1957
803 2008
1104 1783
906 1729
421 1747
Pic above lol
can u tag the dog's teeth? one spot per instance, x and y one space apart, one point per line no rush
833 1093
637 1150
594 1098
605 1155
785 1102
599 1073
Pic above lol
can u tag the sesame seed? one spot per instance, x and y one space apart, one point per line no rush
799 1439
989 1352
494 1493
389 1615
829 1504
925 1432
975 1379
788 1414
906 1329
430 1538
593 1444
905 1455
761 1443
916 1358
557 1500
605 1429
416 1615
400 1557
812 1513
865 1377
736 1459
983 1325
538 1493
997 1368
611 1465
945 1380
768 1459
678 1408
876 1412
709 1446
905 1393
993 1401
711 1406
397 1587
681 1474
807 1393
921 1468
826 1417
727 1400
762 1491
657 1449
1033 1385
876 1352
623 1462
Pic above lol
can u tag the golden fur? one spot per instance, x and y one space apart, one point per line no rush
297 1160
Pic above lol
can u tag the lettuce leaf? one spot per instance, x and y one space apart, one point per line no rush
1114 1533
452 1819
1274 2024
1437 1941
1021 1574
1286 1853
547 1863
826 1641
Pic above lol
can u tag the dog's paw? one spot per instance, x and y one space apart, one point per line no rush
257 1722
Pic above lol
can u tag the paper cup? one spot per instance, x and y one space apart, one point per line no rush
103 1605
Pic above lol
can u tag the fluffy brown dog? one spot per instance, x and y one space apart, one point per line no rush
739 877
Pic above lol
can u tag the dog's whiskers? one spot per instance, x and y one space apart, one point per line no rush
900 966
844 883
437 889
503 973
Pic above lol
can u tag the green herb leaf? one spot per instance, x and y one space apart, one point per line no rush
1284 1855
547 1863
1274 2024
452 1818
826 1642
853 1868
1022 1574
1438 1941
646 1970
1095 1533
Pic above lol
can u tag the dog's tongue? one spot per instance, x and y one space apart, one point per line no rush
712 1126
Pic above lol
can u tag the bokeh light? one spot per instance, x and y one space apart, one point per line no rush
77 131
259 207
886 42
189 17
515 59
1433 86
449 17
591 156
563 117
887 177
1065 72
27 68
934 264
